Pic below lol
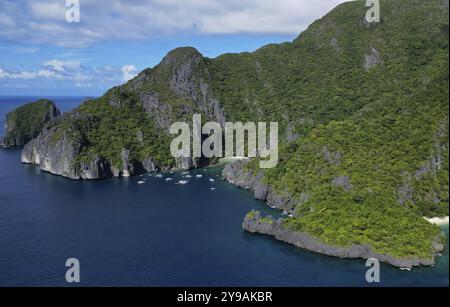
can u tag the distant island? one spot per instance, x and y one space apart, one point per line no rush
26 122
363 113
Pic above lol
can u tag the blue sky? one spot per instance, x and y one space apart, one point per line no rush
43 54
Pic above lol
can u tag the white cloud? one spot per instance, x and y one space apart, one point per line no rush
49 10
128 72
61 66
71 71
3 74
30 75
23 75
45 73
44 21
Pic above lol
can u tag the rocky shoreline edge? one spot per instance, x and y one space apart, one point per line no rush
235 173
257 224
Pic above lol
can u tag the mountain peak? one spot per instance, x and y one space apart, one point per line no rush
181 55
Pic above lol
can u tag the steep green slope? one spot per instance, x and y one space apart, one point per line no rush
137 115
378 159
321 75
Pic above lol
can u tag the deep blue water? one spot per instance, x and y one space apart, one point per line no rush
155 234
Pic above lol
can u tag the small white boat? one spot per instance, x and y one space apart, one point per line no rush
405 269
159 176
188 176
213 189
169 179
183 182
199 176
211 180
141 182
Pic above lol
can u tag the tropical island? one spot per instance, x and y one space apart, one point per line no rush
363 114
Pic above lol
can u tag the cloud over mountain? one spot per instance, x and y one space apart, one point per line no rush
44 21
72 72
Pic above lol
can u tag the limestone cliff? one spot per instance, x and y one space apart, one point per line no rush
236 173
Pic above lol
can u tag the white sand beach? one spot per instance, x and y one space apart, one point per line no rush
438 220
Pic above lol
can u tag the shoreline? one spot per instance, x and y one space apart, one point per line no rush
255 223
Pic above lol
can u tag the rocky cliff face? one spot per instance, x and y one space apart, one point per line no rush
237 174
182 75
255 223
57 150
27 121
148 105
59 155
56 156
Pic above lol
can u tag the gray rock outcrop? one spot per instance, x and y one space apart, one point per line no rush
54 153
372 59
187 78
237 174
57 150
342 182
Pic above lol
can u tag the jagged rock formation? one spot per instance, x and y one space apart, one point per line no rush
237 174
172 91
182 75
27 121
57 150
